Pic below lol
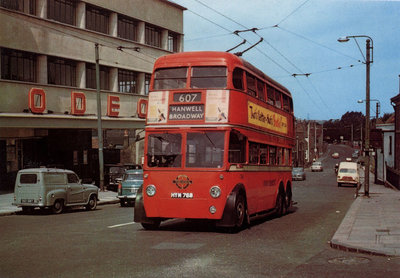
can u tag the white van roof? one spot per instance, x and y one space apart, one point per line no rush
44 170
349 165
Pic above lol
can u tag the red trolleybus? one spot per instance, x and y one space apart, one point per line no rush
218 144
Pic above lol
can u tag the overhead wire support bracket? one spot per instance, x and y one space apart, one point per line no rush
301 74
247 30
243 42
241 53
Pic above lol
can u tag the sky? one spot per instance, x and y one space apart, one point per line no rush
300 39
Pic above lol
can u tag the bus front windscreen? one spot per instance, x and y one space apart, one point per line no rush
205 149
164 150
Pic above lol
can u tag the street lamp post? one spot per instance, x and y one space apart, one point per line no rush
368 61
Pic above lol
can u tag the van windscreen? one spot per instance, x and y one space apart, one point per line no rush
28 178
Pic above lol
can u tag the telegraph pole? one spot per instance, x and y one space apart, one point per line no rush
367 112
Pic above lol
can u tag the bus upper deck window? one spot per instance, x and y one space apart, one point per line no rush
208 77
237 79
170 78
251 85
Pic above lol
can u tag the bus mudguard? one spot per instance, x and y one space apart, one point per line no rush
228 217
139 212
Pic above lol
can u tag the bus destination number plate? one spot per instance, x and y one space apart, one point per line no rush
180 195
187 97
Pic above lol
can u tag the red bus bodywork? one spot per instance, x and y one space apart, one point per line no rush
242 136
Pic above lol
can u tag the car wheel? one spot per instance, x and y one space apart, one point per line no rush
92 203
122 203
58 206
339 184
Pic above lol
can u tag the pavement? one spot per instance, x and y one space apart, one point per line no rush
6 199
371 225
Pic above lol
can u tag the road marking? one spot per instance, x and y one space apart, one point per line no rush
121 225
177 246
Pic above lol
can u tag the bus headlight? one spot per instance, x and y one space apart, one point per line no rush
151 190
215 191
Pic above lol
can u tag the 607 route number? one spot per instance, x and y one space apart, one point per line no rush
187 97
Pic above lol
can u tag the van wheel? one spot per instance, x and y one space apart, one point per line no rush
27 210
58 206
92 203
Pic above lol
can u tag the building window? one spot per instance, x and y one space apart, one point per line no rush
17 5
97 19
91 77
61 71
153 36
172 42
32 7
390 145
127 28
127 81
18 65
147 78
62 10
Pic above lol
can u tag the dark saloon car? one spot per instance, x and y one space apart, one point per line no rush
298 174
128 187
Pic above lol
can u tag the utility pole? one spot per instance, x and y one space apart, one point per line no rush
99 127
367 108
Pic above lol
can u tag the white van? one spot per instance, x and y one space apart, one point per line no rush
52 188
348 173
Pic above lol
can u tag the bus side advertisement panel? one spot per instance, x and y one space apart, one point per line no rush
263 117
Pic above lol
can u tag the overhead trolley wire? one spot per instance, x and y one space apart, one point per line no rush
295 10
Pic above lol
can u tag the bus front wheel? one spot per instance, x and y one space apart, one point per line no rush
240 211
153 225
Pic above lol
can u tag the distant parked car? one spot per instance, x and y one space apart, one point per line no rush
316 166
115 172
348 174
298 174
355 154
128 187
335 155
348 159
52 188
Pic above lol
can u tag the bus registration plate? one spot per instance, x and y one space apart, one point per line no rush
180 195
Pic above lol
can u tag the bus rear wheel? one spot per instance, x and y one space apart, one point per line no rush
280 207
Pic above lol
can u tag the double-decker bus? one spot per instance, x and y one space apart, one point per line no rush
218 143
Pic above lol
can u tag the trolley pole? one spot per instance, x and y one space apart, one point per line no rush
99 127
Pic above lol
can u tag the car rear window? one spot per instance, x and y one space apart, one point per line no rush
28 178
